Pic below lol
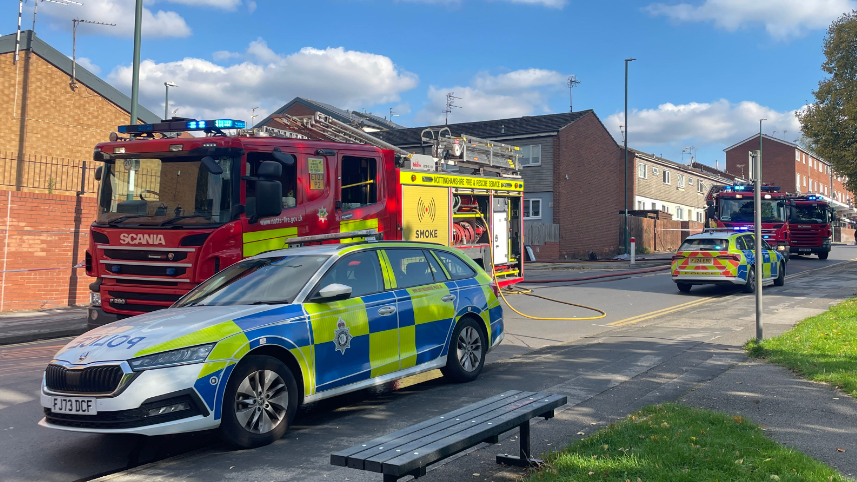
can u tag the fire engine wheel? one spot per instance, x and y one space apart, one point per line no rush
781 276
259 403
750 285
823 255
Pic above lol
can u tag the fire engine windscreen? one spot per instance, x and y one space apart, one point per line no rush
741 210
171 191
809 214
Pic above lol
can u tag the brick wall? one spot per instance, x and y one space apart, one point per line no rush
586 203
43 231
546 252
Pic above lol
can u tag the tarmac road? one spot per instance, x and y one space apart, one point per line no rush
29 452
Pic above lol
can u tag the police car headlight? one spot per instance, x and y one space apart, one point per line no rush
184 356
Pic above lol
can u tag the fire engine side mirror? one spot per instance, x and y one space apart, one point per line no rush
282 157
269 190
98 171
709 212
212 165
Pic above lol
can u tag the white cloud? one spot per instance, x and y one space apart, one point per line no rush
513 94
544 3
344 78
155 24
222 55
88 65
224 4
251 6
719 122
782 18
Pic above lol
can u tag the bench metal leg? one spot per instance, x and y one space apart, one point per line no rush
415 474
525 458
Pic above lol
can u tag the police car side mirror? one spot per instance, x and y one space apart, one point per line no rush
333 292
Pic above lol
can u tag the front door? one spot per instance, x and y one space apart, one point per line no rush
426 302
357 338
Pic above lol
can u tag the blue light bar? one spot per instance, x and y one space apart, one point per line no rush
766 236
183 126
741 228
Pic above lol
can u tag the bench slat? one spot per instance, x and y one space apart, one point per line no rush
341 458
445 429
404 464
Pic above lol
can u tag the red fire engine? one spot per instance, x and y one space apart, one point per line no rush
732 207
810 225
173 211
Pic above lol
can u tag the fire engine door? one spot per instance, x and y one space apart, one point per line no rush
501 237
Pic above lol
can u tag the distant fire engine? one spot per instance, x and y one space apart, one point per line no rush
732 207
810 225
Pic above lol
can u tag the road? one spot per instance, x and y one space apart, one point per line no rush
626 347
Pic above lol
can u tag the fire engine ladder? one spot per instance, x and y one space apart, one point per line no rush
326 128
472 152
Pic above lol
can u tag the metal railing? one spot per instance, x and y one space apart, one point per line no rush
47 174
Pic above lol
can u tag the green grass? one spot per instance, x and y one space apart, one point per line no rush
675 443
821 348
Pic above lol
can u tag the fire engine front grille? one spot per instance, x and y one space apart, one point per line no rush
805 238
133 269
143 255
100 379
129 295
137 308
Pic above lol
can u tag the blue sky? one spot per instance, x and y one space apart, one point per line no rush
706 70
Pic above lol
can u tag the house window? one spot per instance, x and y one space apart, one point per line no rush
665 208
690 181
803 158
679 212
797 155
640 205
643 171
680 181
797 181
654 170
654 206
531 155
666 177
804 180
699 217
533 208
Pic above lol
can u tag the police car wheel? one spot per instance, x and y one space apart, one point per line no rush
259 402
467 349
683 287
781 276
750 285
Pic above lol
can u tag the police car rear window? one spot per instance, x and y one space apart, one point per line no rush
456 268
410 267
706 244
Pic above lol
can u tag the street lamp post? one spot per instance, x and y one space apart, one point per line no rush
625 208
757 233
135 72
167 85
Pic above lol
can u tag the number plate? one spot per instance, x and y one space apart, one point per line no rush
74 406
804 249
702 260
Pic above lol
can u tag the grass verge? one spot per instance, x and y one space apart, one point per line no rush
821 348
674 442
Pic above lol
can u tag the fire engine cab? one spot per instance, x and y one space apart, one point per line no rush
732 207
810 225
174 209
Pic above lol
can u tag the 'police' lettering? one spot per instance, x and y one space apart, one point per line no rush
426 233
113 343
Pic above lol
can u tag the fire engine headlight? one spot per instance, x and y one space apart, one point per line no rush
94 298
826 242
184 356
781 248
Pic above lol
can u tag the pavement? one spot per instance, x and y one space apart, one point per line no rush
26 326
656 345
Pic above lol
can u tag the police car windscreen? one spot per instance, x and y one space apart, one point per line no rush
705 245
275 280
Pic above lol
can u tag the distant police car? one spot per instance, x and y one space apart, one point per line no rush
725 257
245 348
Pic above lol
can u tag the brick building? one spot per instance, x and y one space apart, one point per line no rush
47 131
671 187
46 122
789 166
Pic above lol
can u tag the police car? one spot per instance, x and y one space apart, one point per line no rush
725 257
245 348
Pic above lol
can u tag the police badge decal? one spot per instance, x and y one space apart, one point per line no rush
341 337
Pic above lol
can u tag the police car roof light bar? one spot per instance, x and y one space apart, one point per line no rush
184 125
364 233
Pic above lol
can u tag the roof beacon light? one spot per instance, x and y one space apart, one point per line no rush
183 126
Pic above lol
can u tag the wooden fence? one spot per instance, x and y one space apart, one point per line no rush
538 234
659 235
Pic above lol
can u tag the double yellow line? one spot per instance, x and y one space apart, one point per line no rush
702 301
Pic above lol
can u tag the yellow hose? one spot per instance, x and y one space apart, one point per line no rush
528 292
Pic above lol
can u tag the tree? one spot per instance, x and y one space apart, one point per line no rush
830 123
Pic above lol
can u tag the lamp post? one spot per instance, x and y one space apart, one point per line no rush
167 85
625 208
757 233
135 72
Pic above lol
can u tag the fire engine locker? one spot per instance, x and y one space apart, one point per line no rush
500 230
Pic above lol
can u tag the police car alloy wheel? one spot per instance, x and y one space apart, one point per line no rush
466 355
259 403
750 285
781 276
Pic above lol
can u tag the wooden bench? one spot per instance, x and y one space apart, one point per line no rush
409 451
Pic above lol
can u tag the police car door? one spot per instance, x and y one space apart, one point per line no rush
426 301
356 338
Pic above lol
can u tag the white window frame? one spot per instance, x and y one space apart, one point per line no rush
666 177
679 212
642 171
680 180
797 181
797 155
654 206
700 186
655 170
690 181
700 217
529 149
804 180
528 208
